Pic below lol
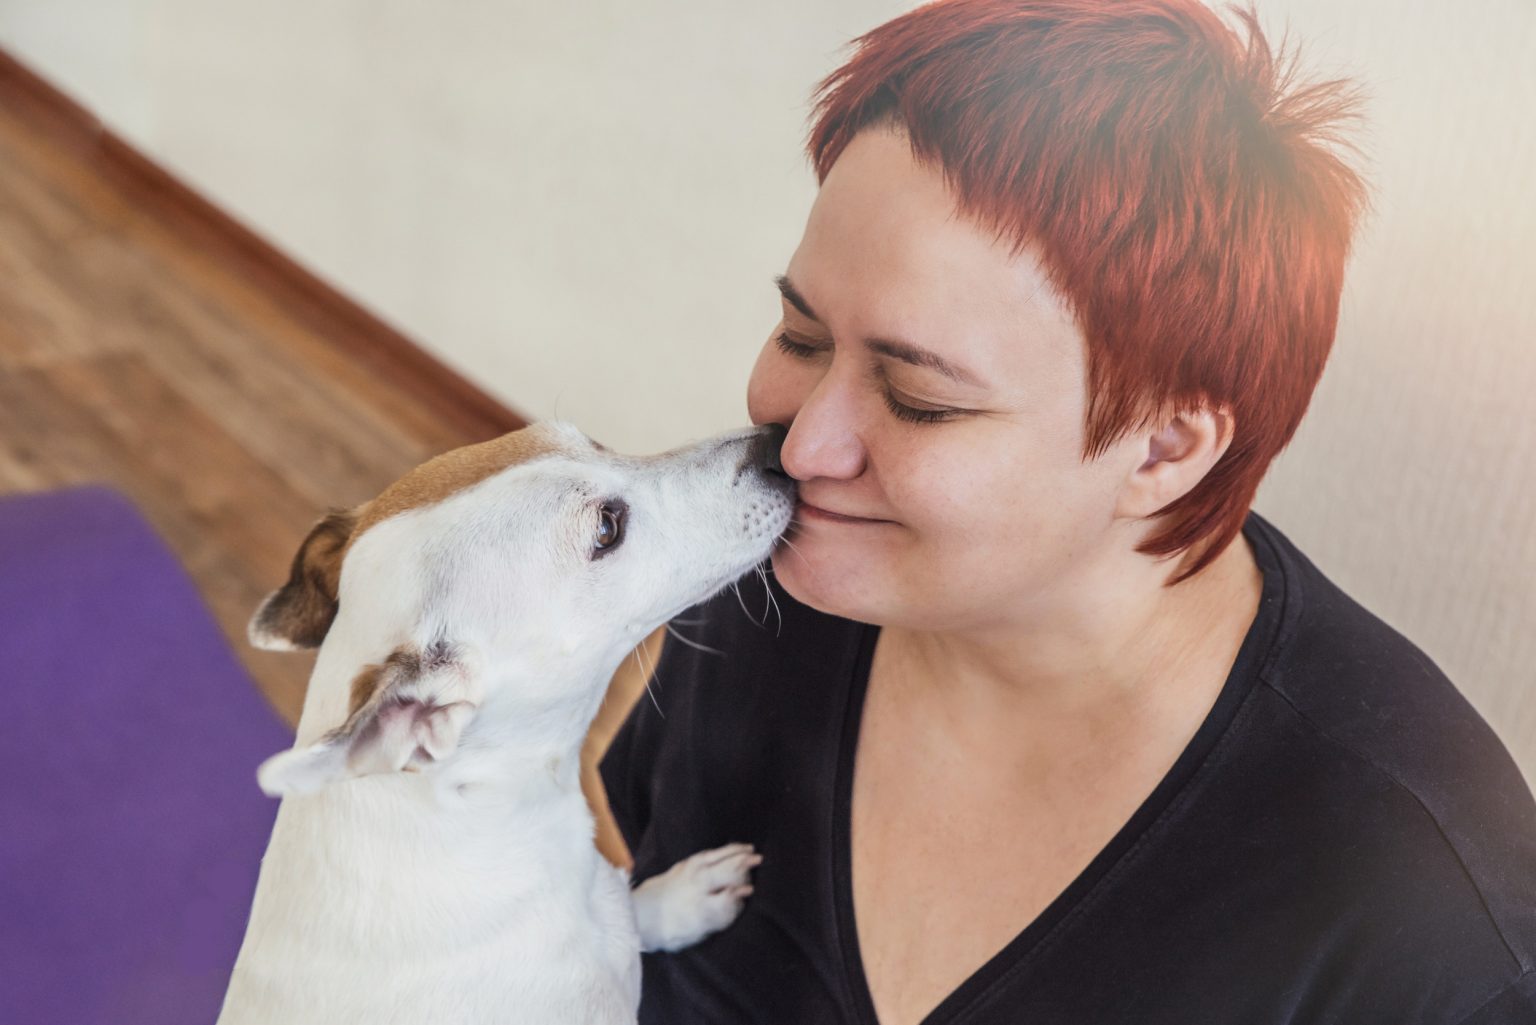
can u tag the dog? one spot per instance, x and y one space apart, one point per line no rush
433 858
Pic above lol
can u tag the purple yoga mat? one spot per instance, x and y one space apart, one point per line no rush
131 827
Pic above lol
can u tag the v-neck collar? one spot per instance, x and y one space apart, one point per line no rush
1260 641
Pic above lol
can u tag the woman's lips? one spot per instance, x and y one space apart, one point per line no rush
806 511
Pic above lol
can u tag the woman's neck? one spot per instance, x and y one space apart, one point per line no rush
1117 657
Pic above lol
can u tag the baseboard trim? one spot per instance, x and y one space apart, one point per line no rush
351 328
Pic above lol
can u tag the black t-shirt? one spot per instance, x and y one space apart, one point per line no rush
1343 840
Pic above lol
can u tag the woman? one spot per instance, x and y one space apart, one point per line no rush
1049 727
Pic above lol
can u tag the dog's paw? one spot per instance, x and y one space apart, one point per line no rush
699 895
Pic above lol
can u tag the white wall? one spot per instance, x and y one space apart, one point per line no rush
581 206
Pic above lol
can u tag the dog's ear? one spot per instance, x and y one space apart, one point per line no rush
298 614
405 712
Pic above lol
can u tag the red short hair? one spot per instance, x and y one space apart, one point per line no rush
1176 183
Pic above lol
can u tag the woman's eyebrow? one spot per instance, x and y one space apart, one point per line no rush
789 292
920 357
904 351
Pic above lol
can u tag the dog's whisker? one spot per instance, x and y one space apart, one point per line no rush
650 675
772 604
772 601
639 657
764 621
692 643
758 569
791 546
736 588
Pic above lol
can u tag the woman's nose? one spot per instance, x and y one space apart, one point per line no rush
822 439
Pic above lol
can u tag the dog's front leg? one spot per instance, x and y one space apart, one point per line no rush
699 895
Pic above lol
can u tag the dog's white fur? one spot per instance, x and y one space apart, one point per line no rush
433 860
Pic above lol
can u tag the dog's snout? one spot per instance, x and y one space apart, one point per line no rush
764 452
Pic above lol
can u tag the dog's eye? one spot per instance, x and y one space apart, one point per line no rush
610 529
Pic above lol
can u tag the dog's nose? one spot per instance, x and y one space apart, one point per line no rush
765 448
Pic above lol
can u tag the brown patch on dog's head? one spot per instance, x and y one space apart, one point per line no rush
443 476
402 663
363 686
300 613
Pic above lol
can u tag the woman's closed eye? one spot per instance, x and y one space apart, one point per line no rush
799 350
901 410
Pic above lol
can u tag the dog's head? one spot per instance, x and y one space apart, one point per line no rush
519 570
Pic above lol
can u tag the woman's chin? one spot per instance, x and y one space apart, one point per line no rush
833 589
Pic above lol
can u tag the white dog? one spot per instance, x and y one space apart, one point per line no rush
433 861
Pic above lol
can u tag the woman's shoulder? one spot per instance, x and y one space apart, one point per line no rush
1360 681
1366 697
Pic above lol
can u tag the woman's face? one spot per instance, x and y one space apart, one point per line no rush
934 390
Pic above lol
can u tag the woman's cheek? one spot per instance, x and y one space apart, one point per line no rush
949 484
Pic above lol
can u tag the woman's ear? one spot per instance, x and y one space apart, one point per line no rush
406 712
1177 454
298 614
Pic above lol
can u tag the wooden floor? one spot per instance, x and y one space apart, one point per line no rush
126 358
138 350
